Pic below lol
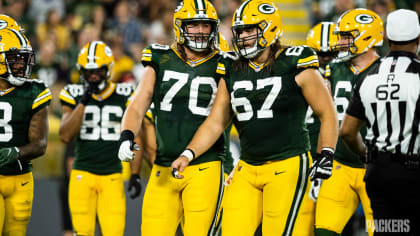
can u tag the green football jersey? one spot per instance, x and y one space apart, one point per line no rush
269 107
183 96
17 106
97 143
343 78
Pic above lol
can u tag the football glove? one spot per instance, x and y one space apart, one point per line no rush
322 166
8 155
89 90
135 184
127 146
314 191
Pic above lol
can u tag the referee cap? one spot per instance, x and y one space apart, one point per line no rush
402 25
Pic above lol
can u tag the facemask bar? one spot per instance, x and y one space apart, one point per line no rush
240 43
199 42
19 65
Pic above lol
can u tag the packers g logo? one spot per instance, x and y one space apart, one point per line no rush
266 8
179 7
3 24
363 19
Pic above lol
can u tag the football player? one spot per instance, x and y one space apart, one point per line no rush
24 130
359 31
181 80
92 112
266 92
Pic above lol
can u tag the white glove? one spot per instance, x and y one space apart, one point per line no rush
314 191
125 153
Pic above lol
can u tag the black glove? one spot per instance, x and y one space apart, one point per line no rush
322 166
89 90
134 183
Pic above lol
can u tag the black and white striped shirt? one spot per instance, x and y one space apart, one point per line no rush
387 99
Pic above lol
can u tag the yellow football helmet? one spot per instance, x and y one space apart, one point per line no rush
190 11
364 26
95 57
8 22
222 43
16 57
321 37
265 17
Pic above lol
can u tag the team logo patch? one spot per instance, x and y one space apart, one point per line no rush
158 173
3 24
239 168
338 167
266 8
364 19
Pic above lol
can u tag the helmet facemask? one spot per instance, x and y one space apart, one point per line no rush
244 45
96 85
199 42
19 65
346 51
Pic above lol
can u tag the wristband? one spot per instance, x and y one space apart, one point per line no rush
189 154
126 135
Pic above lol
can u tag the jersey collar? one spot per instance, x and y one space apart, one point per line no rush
106 93
194 63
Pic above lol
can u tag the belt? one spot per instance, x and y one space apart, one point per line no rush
410 162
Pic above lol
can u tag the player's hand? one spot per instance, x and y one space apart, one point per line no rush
135 184
87 95
315 187
322 166
8 155
127 146
178 166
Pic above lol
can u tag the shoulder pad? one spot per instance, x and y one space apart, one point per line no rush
304 56
157 46
74 89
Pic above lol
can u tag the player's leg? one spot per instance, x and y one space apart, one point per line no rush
286 182
202 198
364 199
111 205
242 206
82 202
162 207
305 221
336 202
18 205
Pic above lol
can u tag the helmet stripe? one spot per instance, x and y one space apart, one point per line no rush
240 11
200 6
325 36
92 52
21 38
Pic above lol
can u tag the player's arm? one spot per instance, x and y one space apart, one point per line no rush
318 97
148 141
207 134
71 121
37 135
349 132
134 114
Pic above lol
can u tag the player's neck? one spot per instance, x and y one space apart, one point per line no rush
4 84
193 55
364 60
262 57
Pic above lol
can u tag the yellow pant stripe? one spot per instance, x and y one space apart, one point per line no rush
300 191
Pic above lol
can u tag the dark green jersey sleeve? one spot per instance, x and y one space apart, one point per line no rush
152 55
17 107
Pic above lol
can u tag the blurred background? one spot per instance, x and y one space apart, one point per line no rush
57 30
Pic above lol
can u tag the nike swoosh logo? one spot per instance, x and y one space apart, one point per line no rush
201 169
277 173
23 184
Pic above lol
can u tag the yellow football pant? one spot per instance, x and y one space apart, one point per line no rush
196 198
92 195
16 196
339 197
271 192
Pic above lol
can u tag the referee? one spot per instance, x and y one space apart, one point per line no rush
387 101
